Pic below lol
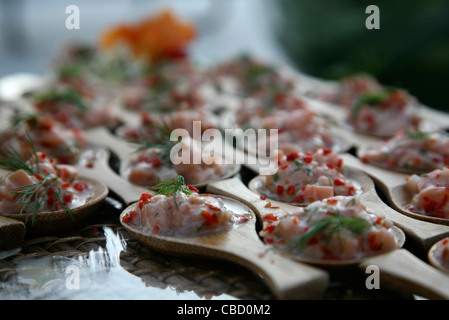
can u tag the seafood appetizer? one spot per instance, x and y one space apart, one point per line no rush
383 113
47 135
153 163
337 228
307 177
353 87
177 209
247 76
39 184
410 151
75 110
165 87
430 193
151 125
299 130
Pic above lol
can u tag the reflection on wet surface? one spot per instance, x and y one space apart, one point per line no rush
97 275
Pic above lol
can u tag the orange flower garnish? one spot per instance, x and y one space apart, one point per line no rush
154 38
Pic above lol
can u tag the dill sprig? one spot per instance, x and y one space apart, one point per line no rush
417 134
331 225
371 98
12 160
67 95
159 139
34 196
173 188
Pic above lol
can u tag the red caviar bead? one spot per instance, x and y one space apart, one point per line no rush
292 156
192 188
279 189
339 182
308 159
270 217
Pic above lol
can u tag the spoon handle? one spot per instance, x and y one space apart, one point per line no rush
102 137
101 171
288 279
437 117
12 233
234 188
386 178
401 270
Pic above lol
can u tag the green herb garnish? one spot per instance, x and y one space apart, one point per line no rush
32 196
67 95
331 225
417 134
371 99
173 188
158 139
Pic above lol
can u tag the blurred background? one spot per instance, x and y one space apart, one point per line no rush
323 38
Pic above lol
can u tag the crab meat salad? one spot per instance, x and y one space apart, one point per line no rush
306 177
177 209
430 193
39 184
383 113
337 228
410 150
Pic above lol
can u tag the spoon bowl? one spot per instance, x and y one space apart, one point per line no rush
435 256
55 221
361 181
124 151
423 229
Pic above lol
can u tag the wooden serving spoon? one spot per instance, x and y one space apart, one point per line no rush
104 138
100 170
398 265
54 221
286 278
427 229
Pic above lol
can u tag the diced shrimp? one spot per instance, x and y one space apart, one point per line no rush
380 240
343 246
291 226
66 172
412 184
434 201
312 193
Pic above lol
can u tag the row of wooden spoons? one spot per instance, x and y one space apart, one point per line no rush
287 276
233 245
